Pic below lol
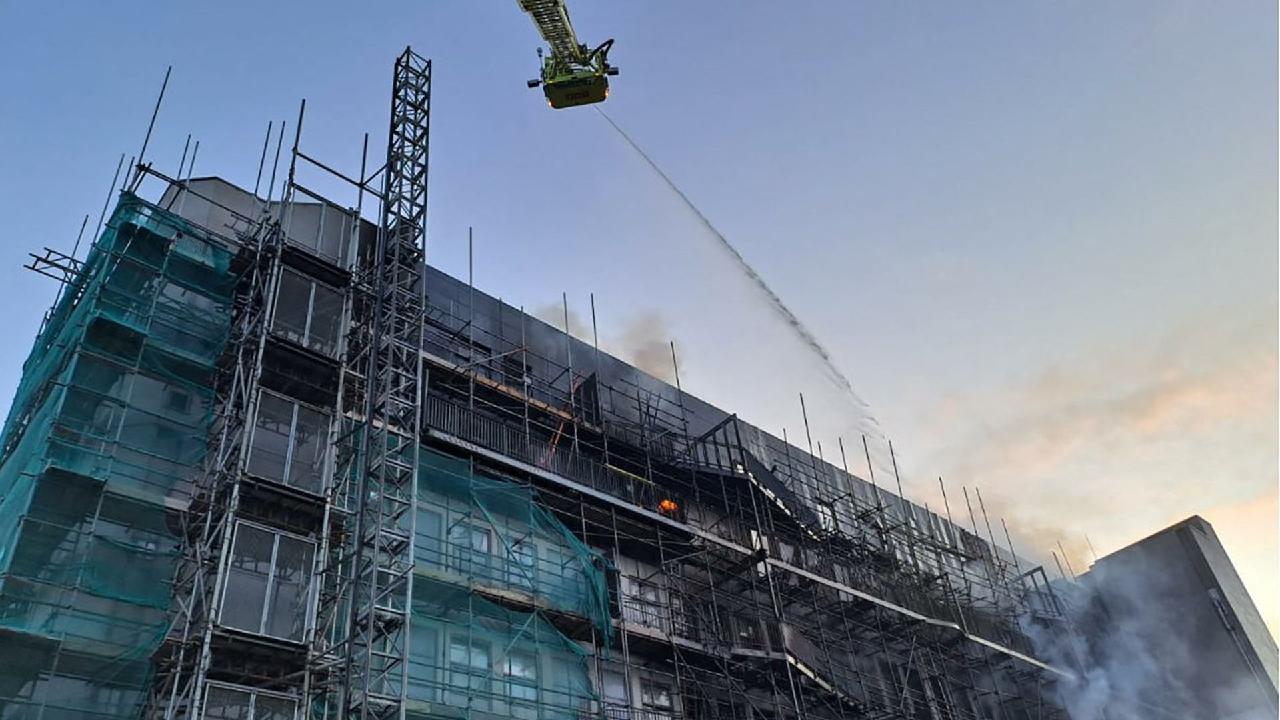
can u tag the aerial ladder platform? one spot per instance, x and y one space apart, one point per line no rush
571 74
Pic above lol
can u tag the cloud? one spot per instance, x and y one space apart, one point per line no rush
1118 442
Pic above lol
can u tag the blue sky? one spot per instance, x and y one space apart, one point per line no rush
1040 238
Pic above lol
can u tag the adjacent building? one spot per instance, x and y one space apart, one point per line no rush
1175 628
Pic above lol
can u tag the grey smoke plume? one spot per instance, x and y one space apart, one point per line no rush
553 314
797 327
645 343
644 339
1135 657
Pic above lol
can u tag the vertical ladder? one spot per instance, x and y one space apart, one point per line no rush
375 679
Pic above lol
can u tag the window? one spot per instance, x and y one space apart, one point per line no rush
613 693
826 516
83 697
561 574
760 541
522 684
178 401
235 702
308 313
787 552
289 443
655 699
429 551
469 673
425 668
567 678
649 593
645 605
269 583
323 229
524 564
614 688
469 549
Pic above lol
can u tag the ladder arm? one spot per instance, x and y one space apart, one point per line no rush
552 19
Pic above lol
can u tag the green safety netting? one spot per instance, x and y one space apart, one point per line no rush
107 426
470 658
492 534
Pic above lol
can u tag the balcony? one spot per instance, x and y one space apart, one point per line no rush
460 422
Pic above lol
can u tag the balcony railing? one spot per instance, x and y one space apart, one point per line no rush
492 434
614 711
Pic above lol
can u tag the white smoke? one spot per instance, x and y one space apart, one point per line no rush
1134 657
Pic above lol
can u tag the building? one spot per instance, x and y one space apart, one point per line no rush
265 463
1172 610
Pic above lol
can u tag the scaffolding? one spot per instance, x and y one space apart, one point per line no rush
108 422
496 574
380 493
756 580
383 364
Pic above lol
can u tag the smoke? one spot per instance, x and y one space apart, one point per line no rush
797 328
554 314
643 340
1137 655
1118 677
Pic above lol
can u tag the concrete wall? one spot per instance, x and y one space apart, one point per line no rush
1174 601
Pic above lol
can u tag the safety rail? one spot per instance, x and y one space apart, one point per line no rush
459 421
465 565
614 711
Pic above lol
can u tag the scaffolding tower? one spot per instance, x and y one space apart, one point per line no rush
385 369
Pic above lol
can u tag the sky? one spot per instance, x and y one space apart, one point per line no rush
1039 238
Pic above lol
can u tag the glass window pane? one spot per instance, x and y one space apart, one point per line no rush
428 550
521 691
326 320
269 707
271 438
615 689
337 235
524 699
649 593
246 589
655 695
469 673
524 561
293 305
469 548
287 615
226 704
425 663
458 651
522 666
306 463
